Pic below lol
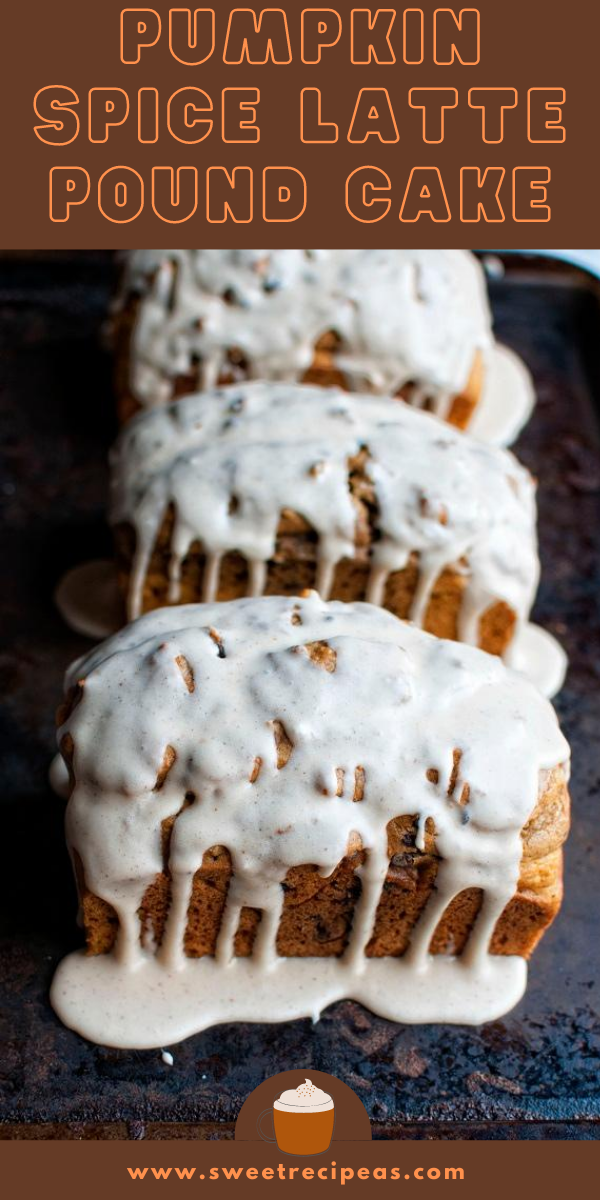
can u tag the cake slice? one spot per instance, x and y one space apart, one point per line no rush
273 487
408 323
282 779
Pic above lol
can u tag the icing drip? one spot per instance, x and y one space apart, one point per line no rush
418 316
213 684
272 447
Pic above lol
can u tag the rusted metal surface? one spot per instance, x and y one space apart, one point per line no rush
534 1074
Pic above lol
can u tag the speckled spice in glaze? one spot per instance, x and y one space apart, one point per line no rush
305 1098
397 704
402 315
276 446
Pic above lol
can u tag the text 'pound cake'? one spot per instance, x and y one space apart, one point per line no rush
273 488
276 803
413 323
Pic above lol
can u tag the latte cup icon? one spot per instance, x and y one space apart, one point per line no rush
303 1120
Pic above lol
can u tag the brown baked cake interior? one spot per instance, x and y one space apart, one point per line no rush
293 569
324 371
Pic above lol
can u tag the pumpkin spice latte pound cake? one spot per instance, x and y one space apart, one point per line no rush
278 802
267 488
409 323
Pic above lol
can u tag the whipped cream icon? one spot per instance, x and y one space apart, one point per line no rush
303 1120
306 1098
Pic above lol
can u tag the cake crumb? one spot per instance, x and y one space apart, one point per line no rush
167 1058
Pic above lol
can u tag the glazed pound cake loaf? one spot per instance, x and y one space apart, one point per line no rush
279 802
273 487
412 323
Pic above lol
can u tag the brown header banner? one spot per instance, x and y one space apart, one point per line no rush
339 126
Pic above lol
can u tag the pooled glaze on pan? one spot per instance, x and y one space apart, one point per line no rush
208 690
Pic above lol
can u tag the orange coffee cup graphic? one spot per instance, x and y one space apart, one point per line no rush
303 1120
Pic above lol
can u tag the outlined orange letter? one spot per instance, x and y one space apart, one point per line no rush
184 43
480 195
527 181
446 26
104 103
360 187
493 102
433 101
148 115
225 189
425 195
120 195
174 194
540 103
60 130
414 36
68 185
310 119
320 28
266 33
373 105
375 41
236 101
182 104
283 186
140 27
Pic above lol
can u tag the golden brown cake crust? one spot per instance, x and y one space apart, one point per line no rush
293 569
323 371
317 913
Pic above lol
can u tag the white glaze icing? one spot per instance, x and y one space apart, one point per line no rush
306 1098
276 446
209 681
403 315
141 1009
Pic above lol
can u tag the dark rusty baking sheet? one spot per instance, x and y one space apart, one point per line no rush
534 1074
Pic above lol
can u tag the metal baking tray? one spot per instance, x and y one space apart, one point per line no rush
533 1074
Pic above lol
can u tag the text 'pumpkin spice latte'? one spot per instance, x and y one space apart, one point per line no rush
273 488
276 803
411 323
